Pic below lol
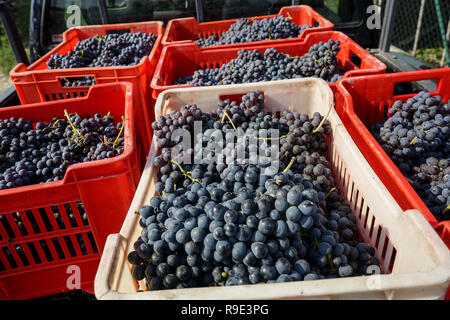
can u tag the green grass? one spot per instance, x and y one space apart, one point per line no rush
21 14
333 5
432 56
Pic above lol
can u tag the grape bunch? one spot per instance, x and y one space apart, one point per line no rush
222 223
249 30
416 137
252 66
124 49
42 153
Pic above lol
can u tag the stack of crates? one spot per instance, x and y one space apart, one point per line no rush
51 230
48 228
180 55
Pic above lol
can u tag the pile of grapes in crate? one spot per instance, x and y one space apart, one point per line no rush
126 49
249 30
252 66
40 152
416 137
242 213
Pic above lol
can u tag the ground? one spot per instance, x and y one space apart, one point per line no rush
5 82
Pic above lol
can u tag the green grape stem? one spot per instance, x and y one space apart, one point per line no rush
120 133
323 120
225 114
74 129
289 165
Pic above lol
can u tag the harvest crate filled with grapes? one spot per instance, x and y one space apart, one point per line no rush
289 25
405 138
63 190
298 214
91 55
327 55
261 155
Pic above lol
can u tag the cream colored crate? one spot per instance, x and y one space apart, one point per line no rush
415 262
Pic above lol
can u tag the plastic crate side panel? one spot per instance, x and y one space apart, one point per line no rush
181 30
107 201
51 280
168 71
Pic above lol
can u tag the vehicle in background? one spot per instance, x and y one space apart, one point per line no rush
50 18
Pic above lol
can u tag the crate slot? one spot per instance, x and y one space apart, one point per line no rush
7 226
392 259
60 251
46 250
20 224
10 258
34 225
69 246
24 254
81 244
92 242
34 253
45 219
356 60
69 213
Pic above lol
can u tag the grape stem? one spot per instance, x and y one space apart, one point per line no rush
186 174
315 243
329 192
446 209
74 129
323 120
284 155
55 123
225 114
333 269
289 165
120 133
279 138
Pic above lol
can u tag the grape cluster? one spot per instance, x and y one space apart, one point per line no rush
249 30
252 66
124 49
416 137
219 223
41 153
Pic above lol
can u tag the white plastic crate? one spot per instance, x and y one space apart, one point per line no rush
415 262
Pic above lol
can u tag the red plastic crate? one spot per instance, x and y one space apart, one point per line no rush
35 83
183 59
186 30
363 101
53 232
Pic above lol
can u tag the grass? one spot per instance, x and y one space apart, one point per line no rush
21 14
432 56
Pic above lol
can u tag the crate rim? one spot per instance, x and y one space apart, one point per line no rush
27 70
